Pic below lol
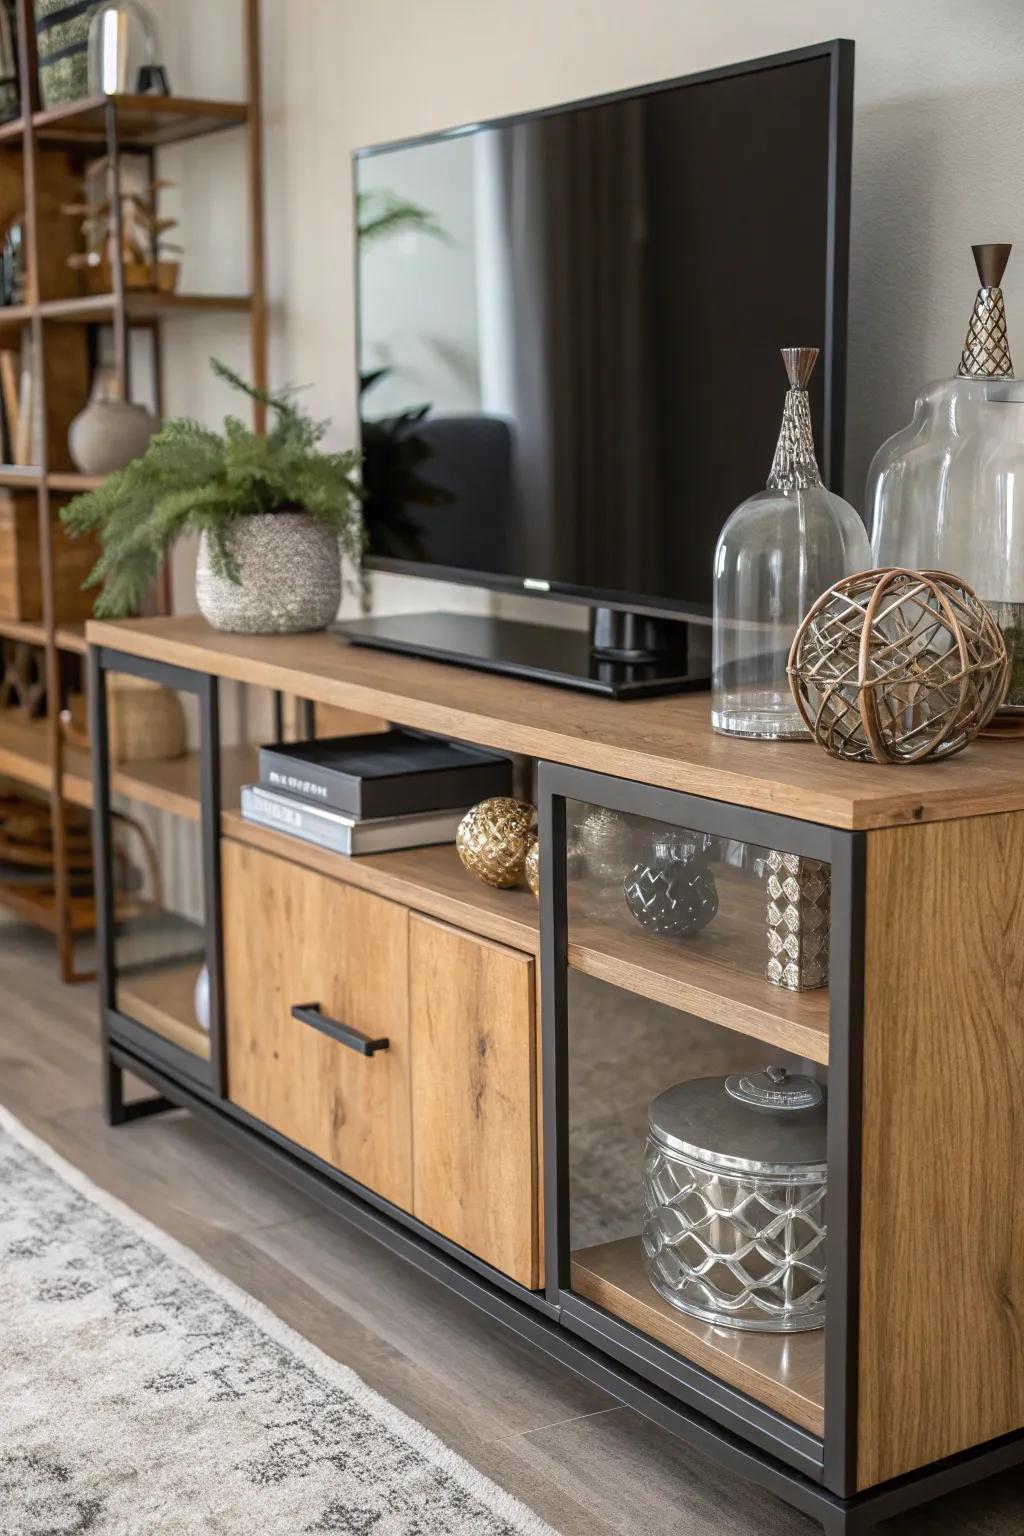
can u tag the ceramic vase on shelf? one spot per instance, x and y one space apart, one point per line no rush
941 493
775 556
110 432
290 576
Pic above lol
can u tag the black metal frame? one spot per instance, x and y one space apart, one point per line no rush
557 785
190 1068
814 1475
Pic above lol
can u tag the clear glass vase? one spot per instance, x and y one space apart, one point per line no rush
947 492
778 552
123 48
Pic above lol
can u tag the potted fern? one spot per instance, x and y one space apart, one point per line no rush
274 515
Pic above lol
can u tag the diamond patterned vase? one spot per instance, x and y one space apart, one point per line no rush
745 1251
799 900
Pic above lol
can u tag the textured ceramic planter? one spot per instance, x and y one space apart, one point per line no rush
290 576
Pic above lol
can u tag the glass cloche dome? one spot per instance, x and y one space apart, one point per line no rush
947 492
777 553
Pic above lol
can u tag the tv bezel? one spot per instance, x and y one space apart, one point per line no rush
840 55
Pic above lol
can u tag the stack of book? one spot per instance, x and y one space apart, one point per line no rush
369 794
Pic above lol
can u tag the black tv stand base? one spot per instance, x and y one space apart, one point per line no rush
650 663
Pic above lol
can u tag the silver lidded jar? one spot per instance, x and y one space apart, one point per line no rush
735 1177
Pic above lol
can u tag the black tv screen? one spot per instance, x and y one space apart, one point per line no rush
569 327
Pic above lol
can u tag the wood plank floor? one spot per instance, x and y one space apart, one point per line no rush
588 1466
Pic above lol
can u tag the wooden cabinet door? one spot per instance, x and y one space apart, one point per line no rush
295 937
471 1005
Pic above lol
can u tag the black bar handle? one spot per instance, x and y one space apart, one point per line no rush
309 1013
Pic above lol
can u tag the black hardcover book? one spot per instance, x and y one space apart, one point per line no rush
394 773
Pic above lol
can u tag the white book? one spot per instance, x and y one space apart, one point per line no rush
341 833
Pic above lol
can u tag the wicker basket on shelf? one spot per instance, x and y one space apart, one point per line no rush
146 721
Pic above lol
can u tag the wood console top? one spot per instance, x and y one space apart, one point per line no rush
666 742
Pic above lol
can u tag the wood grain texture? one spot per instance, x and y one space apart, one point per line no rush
942 1224
430 880
665 742
293 937
163 999
718 974
475 1175
784 1371
21 583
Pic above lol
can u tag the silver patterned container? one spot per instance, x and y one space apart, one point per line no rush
799 921
290 573
735 1177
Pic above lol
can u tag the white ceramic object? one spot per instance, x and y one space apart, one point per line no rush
201 1000
109 434
290 570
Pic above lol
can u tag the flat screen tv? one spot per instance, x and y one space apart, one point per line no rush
569 326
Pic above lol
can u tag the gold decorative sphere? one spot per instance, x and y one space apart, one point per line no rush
493 839
532 866
896 666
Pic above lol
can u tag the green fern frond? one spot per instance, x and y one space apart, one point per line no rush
193 480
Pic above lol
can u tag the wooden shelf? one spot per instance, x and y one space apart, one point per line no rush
666 742
141 120
785 1371
173 784
68 480
716 975
40 908
70 637
166 784
17 476
162 999
139 303
430 880
25 756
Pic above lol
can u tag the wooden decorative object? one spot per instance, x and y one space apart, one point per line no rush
142 232
22 678
898 666
493 839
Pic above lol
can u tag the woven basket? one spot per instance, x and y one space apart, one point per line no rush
145 720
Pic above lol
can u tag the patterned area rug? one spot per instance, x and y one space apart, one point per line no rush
141 1393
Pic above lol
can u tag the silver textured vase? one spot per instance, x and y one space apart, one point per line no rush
290 573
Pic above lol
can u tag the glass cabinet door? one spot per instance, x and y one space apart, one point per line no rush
688 1028
159 862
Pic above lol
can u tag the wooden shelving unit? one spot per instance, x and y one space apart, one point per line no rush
42 157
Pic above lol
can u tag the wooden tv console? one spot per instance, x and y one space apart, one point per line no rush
448 1067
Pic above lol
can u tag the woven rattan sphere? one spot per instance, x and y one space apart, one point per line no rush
897 666
494 837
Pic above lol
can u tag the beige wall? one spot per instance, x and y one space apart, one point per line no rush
938 151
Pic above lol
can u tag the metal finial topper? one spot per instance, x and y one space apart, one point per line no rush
990 261
799 363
